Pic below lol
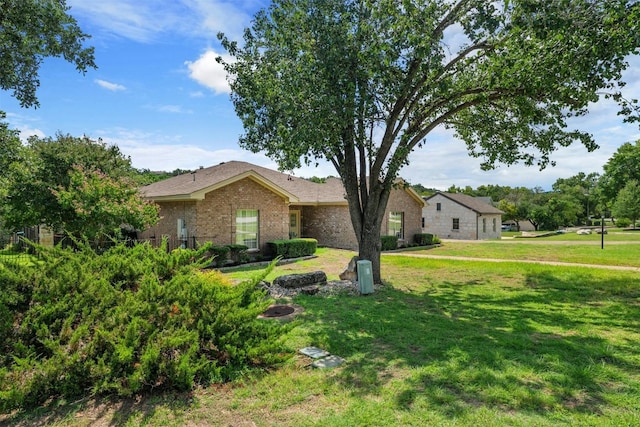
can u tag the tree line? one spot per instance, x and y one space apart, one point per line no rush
582 199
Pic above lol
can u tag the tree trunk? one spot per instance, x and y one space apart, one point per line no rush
370 246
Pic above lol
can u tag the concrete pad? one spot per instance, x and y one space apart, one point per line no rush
314 352
328 362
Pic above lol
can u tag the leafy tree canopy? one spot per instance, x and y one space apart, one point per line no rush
74 184
31 30
627 204
363 83
621 168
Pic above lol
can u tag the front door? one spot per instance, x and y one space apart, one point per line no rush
294 224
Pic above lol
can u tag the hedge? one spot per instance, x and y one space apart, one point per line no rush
389 243
423 239
292 248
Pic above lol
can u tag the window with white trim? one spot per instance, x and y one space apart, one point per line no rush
395 224
247 225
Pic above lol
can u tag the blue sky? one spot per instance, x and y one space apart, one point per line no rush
159 95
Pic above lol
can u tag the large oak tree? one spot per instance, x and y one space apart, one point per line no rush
363 83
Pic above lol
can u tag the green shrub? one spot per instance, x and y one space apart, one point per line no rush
293 248
435 240
423 239
126 321
221 255
623 222
389 243
238 253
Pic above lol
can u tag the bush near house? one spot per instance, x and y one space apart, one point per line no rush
229 254
125 321
389 243
292 248
423 239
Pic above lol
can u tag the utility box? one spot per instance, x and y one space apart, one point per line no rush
365 276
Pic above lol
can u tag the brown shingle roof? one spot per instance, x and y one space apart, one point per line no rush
195 185
473 203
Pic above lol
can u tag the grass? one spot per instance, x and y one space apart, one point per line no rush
571 251
20 258
444 343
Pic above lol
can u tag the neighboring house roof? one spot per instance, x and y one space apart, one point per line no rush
195 185
474 203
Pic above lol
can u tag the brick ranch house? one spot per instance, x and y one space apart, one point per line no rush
459 216
240 203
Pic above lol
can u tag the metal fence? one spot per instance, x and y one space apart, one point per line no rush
174 242
14 247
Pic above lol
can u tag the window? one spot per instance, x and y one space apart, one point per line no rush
438 206
456 224
395 224
422 222
247 228
494 225
484 225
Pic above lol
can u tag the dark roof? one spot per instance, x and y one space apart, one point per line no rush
474 203
193 186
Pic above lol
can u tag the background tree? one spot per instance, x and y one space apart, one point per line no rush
10 154
580 189
621 168
52 187
31 30
363 83
102 204
627 204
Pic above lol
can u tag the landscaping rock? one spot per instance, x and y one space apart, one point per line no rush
310 290
351 271
303 280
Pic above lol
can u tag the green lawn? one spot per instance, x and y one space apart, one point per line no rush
7 256
444 343
586 252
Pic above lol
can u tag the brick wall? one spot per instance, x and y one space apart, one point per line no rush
401 201
330 225
216 217
168 224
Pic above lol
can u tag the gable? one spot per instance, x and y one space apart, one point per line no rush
472 203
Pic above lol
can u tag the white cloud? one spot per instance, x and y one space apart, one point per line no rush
139 20
208 72
114 87
175 109
26 132
220 16
145 20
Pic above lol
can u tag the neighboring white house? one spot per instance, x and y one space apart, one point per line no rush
459 216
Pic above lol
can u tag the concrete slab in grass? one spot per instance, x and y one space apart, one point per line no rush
328 362
314 352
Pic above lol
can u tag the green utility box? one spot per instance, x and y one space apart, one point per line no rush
365 276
